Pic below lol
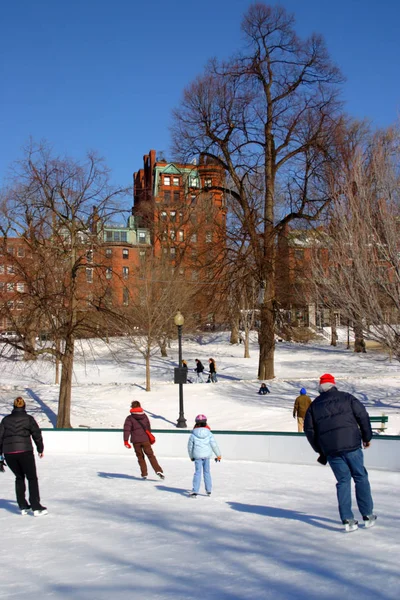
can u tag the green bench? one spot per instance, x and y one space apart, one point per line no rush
382 420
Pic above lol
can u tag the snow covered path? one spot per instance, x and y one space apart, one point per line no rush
268 531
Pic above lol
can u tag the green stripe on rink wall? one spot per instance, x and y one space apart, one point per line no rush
215 431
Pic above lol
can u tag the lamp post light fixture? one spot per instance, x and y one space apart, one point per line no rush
181 375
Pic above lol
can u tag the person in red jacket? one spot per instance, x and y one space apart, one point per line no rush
135 429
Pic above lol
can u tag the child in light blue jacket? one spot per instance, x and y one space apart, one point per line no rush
201 446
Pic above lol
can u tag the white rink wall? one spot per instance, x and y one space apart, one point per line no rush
289 448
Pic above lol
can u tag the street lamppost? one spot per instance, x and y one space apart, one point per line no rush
179 321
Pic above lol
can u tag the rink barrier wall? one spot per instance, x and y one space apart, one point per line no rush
259 446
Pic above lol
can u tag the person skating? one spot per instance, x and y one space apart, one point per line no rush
336 424
201 446
199 371
135 430
16 433
263 389
300 408
185 366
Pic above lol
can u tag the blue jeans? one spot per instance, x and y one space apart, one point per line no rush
346 466
202 464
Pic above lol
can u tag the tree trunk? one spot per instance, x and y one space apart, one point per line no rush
359 343
246 342
163 347
234 339
64 399
266 339
148 388
332 318
58 351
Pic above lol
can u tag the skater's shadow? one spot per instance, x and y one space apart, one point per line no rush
282 513
116 476
8 505
154 416
165 488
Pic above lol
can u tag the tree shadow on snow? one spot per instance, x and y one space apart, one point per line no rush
282 513
154 416
50 414
117 476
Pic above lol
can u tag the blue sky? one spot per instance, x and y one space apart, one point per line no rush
105 74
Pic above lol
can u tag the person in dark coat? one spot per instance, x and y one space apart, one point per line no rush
135 429
263 389
336 424
16 432
199 371
213 371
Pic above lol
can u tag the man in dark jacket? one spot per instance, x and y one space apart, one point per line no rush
336 424
16 431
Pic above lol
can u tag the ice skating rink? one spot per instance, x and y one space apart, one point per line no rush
267 531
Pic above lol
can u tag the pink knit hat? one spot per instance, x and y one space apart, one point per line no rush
327 378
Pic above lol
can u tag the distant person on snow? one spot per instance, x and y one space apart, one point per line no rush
213 371
201 446
199 371
135 429
336 424
300 408
185 366
16 431
263 389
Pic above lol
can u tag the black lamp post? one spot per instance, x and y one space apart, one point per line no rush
179 321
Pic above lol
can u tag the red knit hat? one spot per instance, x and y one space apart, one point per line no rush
326 378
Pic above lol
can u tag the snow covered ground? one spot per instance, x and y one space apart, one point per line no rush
268 530
111 376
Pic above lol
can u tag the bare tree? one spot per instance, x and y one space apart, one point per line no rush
49 205
360 275
266 116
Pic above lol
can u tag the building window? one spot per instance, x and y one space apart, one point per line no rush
21 251
19 305
299 254
89 256
163 215
109 236
124 236
194 182
193 198
172 251
125 297
172 216
10 304
176 197
20 287
208 237
125 272
175 181
108 273
10 269
125 253
167 180
142 237
89 275
142 255
108 252
10 287
181 236
1 269
207 182
167 197
193 237
1 286
172 234
117 237
195 275
10 250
